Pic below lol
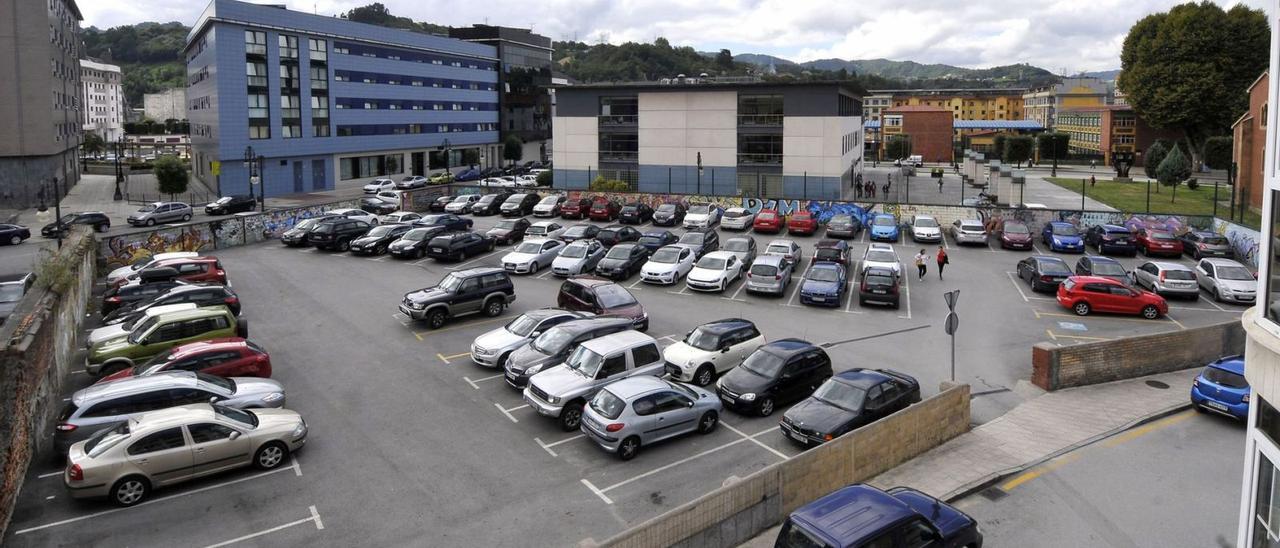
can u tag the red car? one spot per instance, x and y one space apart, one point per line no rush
604 210
575 209
193 270
802 223
602 297
231 357
767 221
1158 242
1015 235
1085 294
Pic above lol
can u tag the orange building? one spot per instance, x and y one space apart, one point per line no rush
1249 135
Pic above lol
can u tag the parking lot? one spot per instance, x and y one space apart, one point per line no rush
409 436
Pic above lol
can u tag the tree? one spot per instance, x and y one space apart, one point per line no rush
1217 152
545 178
898 147
1053 145
513 149
1018 149
1155 154
93 144
171 174
997 146
724 60
1188 68
1173 170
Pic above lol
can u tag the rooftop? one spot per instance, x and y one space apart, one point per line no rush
712 83
1024 125
916 108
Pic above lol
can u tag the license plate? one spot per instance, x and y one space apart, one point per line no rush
437 250
512 376
818 299
878 291
726 399
796 436
1215 405
1122 241
404 310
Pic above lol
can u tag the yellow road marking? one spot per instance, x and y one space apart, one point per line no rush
1039 471
1040 314
418 336
1051 335
1149 428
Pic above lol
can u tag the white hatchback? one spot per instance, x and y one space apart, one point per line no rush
667 265
714 271
712 349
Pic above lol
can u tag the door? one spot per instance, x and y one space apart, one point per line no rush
1126 300
674 415
318 175
160 338
213 450
795 379
415 163
163 456
1099 296
297 176
1206 275
469 297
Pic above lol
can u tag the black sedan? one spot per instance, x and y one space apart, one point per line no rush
669 215
437 205
449 221
847 401
377 206
580 232
378 239
1043 273
13 234
297 236
509 231
458 245
413 244
622 261
635 213
227 205
490 204
658 239
616 234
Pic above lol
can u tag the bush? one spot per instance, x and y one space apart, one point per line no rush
1193 184
609 185
545 178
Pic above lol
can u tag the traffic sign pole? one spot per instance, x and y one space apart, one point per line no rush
951 325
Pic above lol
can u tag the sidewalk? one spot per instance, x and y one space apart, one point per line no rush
1035 431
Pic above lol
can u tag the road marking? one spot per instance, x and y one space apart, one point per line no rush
546 274
1176 322
1056 336
637 282
461 326
742 284
601 492
50 474
598 492
780 454
907 292
1039 471
1215 305
473 382
848 307
480 258
1038 252
877 335
420 262
507 412
315 517
446 359
547 446
419 336
1018 287
1149 428
381 259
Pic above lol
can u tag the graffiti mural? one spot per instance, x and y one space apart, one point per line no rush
228 232
278 221
123 250
1245 242
420 200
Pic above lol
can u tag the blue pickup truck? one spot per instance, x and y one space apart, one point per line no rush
862 516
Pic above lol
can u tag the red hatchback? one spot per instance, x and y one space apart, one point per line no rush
604 210
206 269
767 221
1158 242
575 209
802 223
231 357
1085 294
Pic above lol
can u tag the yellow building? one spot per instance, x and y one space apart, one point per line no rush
1042 104
963 104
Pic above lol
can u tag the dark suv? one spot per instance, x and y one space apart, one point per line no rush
486 290
1111 239
519 205
897 517
96 219
490 204
701 240
555 345
199 294
779 372
150 282
337 233
635 213
458 245
602 298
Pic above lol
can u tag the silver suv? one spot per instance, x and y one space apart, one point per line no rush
160 212
1167 279
492 348
643 410
555 345
562 391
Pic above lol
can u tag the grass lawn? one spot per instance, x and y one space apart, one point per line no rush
1131 197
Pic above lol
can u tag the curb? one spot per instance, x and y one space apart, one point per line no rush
981 484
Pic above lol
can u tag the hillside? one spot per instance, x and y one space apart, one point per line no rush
149 55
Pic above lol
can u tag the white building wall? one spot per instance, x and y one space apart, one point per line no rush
102 96
168 104
675 126
577 142
814 145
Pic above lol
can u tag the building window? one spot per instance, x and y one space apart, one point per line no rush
616 147
319 106
320 130
317 50
760 149
290 107
288 47
319 78
258 107
1273 272
259 132
257 74
755 110
291 131
255 42
289 77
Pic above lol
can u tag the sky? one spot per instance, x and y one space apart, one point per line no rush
1058 35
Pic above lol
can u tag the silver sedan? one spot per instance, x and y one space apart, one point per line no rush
531 256
643 410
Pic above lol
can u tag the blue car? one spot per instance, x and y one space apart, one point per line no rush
884 227
1064 237
467 174
657 239
861 515
1222 388
824 285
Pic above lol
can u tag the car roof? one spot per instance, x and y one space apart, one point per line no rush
195 313
1234 364
1166 265
133 385
826 265
1101 259
197 347
1216 261
656 233
772 260
478 271
543 223
736 238
878 271
831 243
862 378
1096 280
630 337
539 240
587 324
720 254
849 514
589 281
726 325
1047 259
970 221
639 385
1109 228
783 241
787 347
884 215
879 246
172 416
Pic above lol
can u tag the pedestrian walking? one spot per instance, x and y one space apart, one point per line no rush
1093 180
922 267
1093 164
943 260
857 190
939 185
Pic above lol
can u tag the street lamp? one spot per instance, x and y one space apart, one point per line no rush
445 146
119 146
254 165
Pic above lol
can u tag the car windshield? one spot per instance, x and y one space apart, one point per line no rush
138 330
1065 230
323 228
618 252
878 279
105 439
824 275
613 296
1016 228
666 255
971 227
576 231
380 230
630 208
828 253
844 396
238 415
523 325
1054 267
305 224
840 220
147 208
779 249
436 219
764 270
1179 274
737 245
220 382
585 362
692 238
667 208
553 342
766 215
650 240
1165 236
764 364
549 200
702 339
1108 268
529 247
699 210
1225 378
925 222
67 219
607 234
450 283
883 221
608 405
1234 273
1214 240
734 213
462 199
880 256
12 293
417 234
515 199
487 199
712 263
574 251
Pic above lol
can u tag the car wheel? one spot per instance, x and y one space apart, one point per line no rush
1081 308
708 422
704 375
242 328
186 217
435 320
533 268
130 490
493 307
15 240
765 407
151 222
270 455
344 245
1150 312
628 448
1217 295
571 418
418 253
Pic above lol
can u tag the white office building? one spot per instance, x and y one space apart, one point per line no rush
103 99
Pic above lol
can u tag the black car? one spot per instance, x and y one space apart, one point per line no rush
509 231
437 205
199 294
297 236
779 372
843 226
612 235
580 232
458 245
850 400
490 204
449 221
413 244
378 239
1043 273
832 251
12 288
337 233
1109 239
880 286
519 205
635 213
669 215
1105 267
486 290
657 239
150 283
13 234
622 261
377 206
701 240
227 205
96 219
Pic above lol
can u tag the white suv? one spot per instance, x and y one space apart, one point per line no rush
712 349
880 255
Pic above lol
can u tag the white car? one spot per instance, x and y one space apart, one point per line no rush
711 349
123 272
880 255
1227 280
527 181
787 249
579 257
357 214
701 216
391 197
714 271
925 228
549 206
544 229
737 218
667 265
532 255
400 217
411 182
379 185
462 204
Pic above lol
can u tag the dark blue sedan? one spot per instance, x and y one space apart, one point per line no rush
449 221
824 285
1061 236
657 239
1222 388
13 234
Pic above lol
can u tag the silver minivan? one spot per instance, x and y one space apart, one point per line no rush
639 411
769 274
1167 279
160 212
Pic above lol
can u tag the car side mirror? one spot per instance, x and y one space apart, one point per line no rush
725 347
235 435
689 404
535 334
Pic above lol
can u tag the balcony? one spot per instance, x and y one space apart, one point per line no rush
619 120
760 120
619 156
759 159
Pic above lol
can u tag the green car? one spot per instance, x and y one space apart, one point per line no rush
159 333
441 178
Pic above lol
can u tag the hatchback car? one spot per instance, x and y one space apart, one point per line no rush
1199 244
1062 237
545 229
622 261
579 257
767 221
604 210
968 231
297 236
198 269
580 232
1158 242
769 274
437 205
462 204
615 234
787 249
602 297
635 213
843 226
831 251
458 246
1087 294
880 285
575 209
410 182
924 228
667 265
1104 267
355 213
657 239
702 216
711 349
1043 273
642 410
400 217
701 241
779 372
884 228
669 215
824 285
882 256
1227 280
899 517
737 218
1015 235
1222 388
160 212
1111 239
1167 279
199 294
492 348
742 246
715 271
11 234
802 223
549 206
532 255
95 219
448 221
232 357
847 401
509 231
379 185
378 239
227 205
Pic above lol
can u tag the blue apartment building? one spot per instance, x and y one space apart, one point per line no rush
330 103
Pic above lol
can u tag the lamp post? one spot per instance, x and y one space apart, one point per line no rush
254 165
445 146
57 209
1054 140
119 146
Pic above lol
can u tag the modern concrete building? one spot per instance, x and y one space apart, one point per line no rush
964 104
698 136
1249 140
170 104
1041 104
1101 132
930 129
874 104
524 86
330 103
40 99
103 99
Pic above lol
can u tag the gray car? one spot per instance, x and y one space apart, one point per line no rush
491 349
742 246
563 391
554 346
769 274
110 402
968 231
640 411
160 212
1167 279
1227 280
579 257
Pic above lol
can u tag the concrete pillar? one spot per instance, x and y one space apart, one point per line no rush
991 177
1006 183
1018 181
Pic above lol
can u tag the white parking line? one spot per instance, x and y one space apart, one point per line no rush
473 382
683 291
507 412
1215 305
315 517
637 282
50 474
480 258
780 454
848 307
742 285
547 446
1018 287
598 492
1038 252
546 274
907 293
421 262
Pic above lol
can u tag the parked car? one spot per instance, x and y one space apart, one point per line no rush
880 285
1227 280
767 221
160 212
410 182
443 177
616 234
787 249
462 204
356 214
668 265
466 175
622 261
459 293
492 348
768 274
116 276
701 241
580 232
12 288
549 206
715 271
509 231
639 411
200 294
968 231
1111 239
1015 235
579 257
880 255
198 269
378 239
447 221
670 214
490 204
457 246
1086 294
531 256
233 357
884 228
802 223
337 233
1222 388
702 216
779 372
575 209
848 401
519 204
604 210
555 345
635 213
13 234
601 297
824 285
924 228
1104 267
897 517
126 461
227 205
297 236
1167 279
149 284
712 349
160 333
562 392
1043 272
737 218
657 239
545 229
831 251
742 246
1063 237
1158 242
379 185
413 244
378 206
437 205
1200 244
95 219
843 225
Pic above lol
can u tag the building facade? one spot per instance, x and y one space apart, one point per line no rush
524 86
930 129
1043 103
701 137
873 105
40 100
1102 131
103 99
330 103
170 104
1249 140
963 104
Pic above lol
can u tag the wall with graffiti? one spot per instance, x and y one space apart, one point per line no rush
1245 241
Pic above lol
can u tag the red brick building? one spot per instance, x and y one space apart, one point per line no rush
929 127
1249 141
